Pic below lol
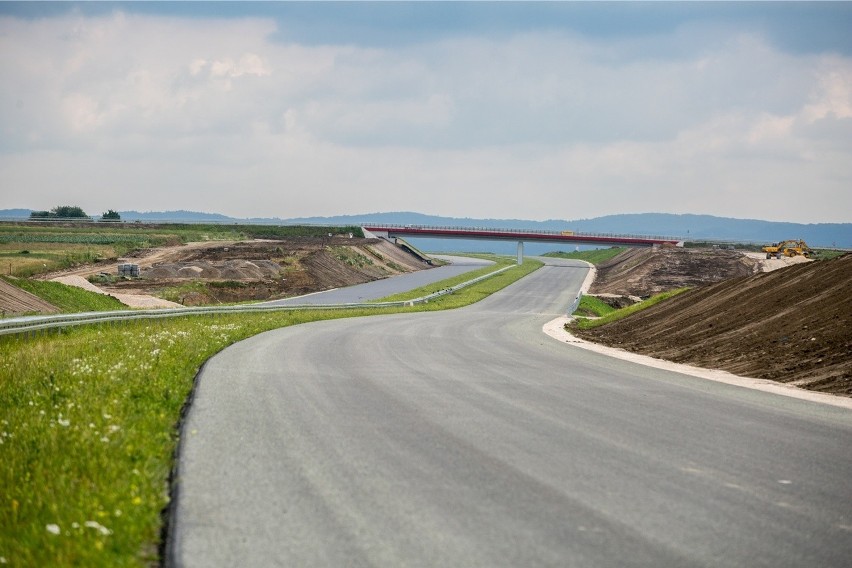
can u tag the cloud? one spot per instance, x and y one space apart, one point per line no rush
151 112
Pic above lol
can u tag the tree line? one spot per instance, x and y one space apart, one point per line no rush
72 212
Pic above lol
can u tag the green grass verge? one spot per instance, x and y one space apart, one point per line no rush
596 256
500 262
590 306
68 299
616 315
88 427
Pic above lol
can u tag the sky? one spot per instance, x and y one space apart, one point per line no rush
521 110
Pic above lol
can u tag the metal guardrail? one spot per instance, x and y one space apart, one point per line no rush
32 324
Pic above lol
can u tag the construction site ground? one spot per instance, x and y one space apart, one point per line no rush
214 272
786 320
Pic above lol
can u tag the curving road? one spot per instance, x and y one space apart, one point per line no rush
470 438
388 286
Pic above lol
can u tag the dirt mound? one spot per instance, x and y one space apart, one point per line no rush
208 273
14 301
235 269
790 325
643 272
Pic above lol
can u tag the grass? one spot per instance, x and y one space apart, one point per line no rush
456 280
27 259
595 257
68 299
826 254
590 306
88 427
616 315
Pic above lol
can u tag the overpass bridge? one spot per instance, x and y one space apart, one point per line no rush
389 231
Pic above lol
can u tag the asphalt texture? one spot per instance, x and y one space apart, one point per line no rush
470 438
388 286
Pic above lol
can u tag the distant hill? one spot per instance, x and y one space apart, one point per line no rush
690 227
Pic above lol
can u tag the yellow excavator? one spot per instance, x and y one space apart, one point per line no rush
787 248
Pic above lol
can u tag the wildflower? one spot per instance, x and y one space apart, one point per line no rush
53 529
64 422
137 500
98 527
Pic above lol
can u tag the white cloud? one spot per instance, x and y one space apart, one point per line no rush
132 112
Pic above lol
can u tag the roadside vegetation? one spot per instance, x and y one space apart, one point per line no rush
596 256
499 262
605 317
67 298
89 422
593 307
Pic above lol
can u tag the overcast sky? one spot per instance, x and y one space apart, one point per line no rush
491 110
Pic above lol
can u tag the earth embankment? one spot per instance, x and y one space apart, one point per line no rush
14 301
790 325
644 272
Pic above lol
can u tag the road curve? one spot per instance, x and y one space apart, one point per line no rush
388 286
469 438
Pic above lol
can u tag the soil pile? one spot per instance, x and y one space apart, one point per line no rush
790 325
264 269
644 272
14 301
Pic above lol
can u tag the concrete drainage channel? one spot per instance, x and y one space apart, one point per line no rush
34 324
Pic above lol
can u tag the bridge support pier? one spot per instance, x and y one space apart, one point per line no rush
520 252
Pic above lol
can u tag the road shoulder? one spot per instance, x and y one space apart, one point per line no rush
556 329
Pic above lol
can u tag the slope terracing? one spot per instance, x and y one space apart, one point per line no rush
791 325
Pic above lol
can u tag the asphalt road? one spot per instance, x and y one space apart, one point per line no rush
388 286
470 438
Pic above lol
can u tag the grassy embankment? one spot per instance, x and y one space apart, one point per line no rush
596 256
499 262
605 314
68 299
88 427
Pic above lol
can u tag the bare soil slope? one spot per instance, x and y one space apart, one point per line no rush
14 301
643 272
264 269
791 325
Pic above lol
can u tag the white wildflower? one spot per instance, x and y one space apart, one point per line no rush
99 527
53 529
63 421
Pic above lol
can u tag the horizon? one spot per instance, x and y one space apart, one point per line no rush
481 110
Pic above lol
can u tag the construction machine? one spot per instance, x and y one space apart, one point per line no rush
787 248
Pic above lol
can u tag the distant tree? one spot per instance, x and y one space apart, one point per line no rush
39 214
68 212
111 215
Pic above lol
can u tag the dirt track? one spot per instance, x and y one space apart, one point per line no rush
790 325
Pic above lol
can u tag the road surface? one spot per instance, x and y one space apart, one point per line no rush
470 438
388 286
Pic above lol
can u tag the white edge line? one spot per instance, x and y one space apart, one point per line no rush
556 330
